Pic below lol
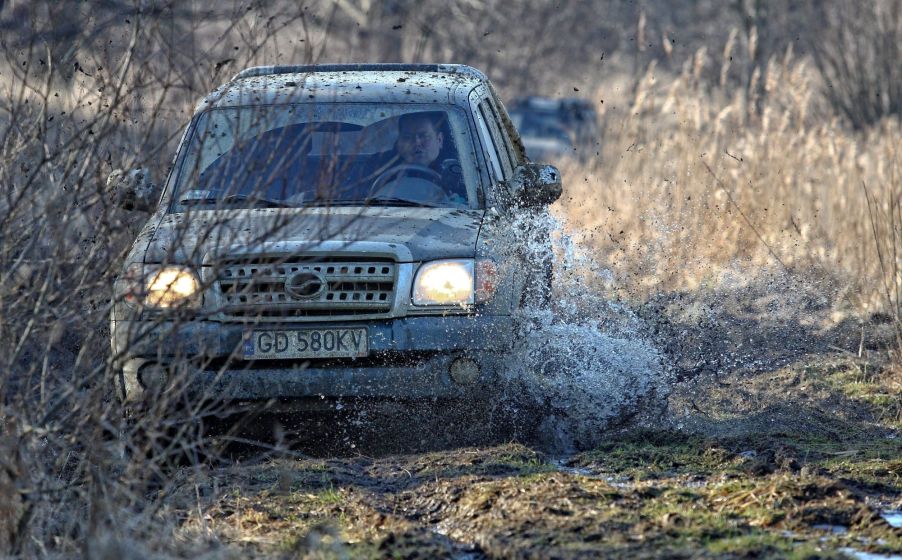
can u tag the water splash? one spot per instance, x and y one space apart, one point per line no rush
582 361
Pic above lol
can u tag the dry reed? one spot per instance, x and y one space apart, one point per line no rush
692 188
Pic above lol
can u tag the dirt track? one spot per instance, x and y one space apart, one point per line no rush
745 465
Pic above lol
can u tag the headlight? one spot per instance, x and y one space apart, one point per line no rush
454 282
160 286
171 286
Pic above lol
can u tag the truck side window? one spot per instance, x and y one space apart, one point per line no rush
500 149
496 116
491 151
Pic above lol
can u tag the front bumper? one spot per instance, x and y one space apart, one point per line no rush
409 358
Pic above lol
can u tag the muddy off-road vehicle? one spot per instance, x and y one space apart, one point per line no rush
333 231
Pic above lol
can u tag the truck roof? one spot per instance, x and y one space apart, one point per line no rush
388 83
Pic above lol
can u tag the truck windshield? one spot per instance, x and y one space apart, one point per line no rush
327 154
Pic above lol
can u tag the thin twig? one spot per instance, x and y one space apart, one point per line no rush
744 217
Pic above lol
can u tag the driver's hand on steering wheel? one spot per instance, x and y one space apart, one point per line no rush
410 181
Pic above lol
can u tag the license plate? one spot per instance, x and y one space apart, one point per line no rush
305 343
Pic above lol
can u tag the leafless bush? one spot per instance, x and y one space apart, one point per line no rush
858 57
88 89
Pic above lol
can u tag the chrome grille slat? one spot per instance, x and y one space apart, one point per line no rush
258 289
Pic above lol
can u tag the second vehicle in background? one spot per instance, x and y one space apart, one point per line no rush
552 129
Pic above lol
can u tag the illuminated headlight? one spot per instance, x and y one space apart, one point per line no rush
160 287
454 282
171 286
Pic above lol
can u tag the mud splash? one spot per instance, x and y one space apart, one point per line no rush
582 361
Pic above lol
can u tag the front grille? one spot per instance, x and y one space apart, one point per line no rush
291 289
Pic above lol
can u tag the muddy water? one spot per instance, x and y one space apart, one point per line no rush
581 361
585 362
859 555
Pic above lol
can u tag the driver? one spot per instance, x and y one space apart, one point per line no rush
420 140
421 144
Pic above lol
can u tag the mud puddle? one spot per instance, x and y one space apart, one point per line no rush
859 555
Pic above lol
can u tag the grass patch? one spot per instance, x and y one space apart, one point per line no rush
880 389
768 545
646 454
763 483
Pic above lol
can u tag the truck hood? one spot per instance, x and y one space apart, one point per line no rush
414 234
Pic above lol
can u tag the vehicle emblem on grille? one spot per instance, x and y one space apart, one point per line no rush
304 285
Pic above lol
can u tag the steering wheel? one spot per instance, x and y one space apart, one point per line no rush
427 189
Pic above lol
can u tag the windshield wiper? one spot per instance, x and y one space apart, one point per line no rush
238 198
393 201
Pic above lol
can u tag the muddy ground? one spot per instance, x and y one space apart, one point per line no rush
796 453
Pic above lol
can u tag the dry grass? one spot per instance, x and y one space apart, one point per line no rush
691 189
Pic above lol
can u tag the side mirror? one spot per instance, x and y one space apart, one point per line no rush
133 190
536 184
